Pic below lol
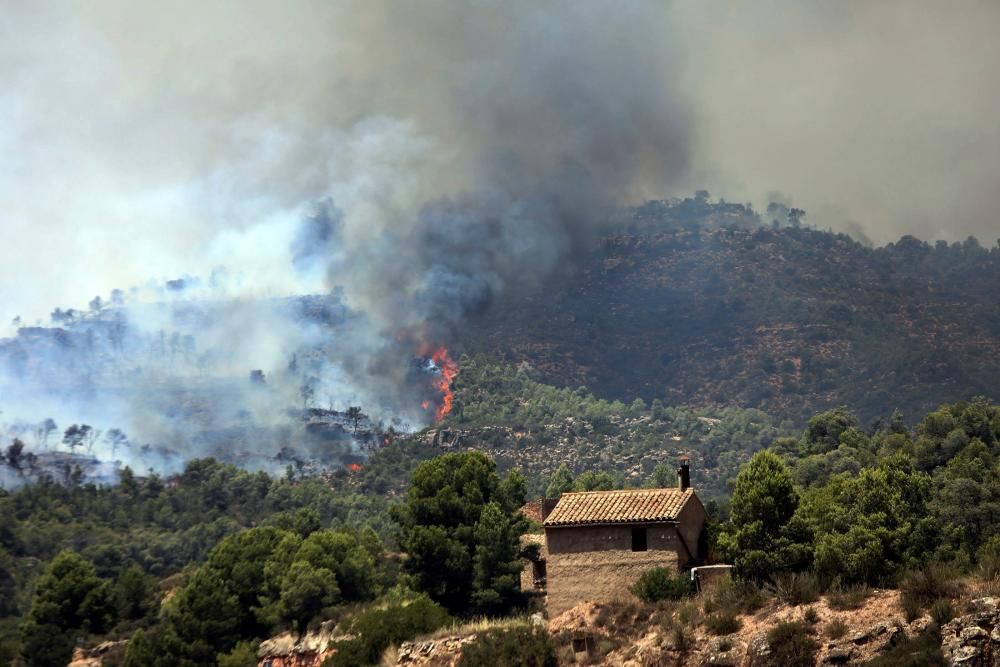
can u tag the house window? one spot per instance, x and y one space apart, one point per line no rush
639 539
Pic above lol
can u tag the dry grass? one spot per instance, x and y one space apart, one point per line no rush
848 599
475 626
984 588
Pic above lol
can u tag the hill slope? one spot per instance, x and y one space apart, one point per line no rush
711 307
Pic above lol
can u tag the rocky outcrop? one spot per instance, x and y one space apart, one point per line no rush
973 640
289 650
433 652
95 657
863 643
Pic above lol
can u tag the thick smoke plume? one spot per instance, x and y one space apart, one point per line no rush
417 160
536 119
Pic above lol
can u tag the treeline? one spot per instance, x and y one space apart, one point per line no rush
140 536
195 570
539 428
854 508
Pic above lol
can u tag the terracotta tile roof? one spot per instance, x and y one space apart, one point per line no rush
627 506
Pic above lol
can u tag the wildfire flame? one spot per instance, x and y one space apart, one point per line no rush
449 369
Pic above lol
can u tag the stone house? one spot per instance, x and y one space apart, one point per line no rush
598 543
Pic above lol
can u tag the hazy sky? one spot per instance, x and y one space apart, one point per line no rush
142 141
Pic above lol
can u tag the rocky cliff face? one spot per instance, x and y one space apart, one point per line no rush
973 640
290 650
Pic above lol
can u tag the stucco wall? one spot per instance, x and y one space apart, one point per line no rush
597 562
690 522
578 539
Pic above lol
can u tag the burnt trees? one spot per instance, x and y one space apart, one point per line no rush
75 435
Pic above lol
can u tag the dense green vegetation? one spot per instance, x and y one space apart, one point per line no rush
865 509
553 434
116 547
201 565
196 568
697 303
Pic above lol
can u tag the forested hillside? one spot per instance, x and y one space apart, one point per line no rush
196 569
548 432
698 303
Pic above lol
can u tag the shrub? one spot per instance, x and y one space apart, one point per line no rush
791 645
244 654
811 616
930 583
378 628
923 650
911 606
942 611
845 599
739 594
796 588
687 613
836 629
722 622
681 640
517 647
989 558
660 583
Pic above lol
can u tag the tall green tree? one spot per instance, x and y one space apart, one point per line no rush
764 536
870 526
442 526
561 482
496 563
70 598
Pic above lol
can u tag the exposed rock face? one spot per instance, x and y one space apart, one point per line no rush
855 648
95 657
287 650
973 640
432 652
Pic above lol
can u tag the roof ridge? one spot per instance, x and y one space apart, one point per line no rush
669 488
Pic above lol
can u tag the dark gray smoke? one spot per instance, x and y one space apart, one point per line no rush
419 160
414 161
540 117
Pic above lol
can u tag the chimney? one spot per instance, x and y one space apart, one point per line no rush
684 474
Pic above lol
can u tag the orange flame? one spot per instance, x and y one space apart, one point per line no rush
354 467
449 369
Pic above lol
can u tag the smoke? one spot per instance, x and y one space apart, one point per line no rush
421 159
873 115
536 120
144 142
